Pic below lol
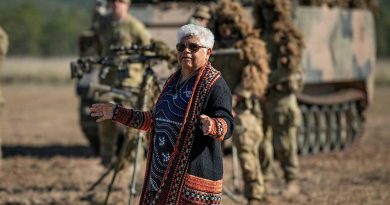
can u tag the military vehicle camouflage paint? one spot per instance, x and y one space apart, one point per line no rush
340 45
339 64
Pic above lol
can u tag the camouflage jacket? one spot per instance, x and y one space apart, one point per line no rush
254 57
120 33
3 51
284 44
3 43
124 32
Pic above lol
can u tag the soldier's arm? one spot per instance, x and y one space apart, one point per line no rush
141 33
3 42
145 37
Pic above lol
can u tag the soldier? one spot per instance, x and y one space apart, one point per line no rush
119 29
201 16
283 117
99 12
233 29
3 51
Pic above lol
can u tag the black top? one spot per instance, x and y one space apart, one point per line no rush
206 154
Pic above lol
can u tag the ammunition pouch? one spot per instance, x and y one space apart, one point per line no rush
282 88
252 104
287 85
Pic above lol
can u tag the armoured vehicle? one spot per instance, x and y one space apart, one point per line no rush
339 64
338 61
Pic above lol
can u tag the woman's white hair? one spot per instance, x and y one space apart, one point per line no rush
205 36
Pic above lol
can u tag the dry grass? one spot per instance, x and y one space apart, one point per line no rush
57 71
36 70
47 159
382 74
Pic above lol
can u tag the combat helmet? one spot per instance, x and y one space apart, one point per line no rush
232 14
254 75
202 11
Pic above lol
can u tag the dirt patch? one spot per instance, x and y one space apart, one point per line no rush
47 160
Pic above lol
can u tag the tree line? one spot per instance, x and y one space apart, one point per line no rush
51 28
44 28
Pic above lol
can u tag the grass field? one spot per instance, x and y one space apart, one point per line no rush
36 70
382 76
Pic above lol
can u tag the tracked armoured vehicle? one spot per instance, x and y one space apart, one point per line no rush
338 61
339 64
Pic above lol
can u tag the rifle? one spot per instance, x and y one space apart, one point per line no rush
122 94
119 59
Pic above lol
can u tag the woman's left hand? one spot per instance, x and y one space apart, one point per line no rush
207 124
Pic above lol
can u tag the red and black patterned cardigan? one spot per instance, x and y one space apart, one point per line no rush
195 171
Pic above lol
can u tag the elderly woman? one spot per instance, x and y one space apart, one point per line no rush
190 119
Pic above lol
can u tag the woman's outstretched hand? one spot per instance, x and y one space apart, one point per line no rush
103 111
207 124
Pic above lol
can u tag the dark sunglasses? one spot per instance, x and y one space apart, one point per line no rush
121 1
201 18
193 47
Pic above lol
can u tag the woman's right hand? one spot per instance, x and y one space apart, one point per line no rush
103 111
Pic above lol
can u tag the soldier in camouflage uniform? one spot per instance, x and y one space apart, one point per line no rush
233 29
119 29
201 16
3 51
99 12
283 117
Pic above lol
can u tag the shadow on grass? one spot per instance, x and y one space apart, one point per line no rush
47 152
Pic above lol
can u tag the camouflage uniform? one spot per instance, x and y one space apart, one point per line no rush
283 116
123 32
248 133
99 12
201 13
3 51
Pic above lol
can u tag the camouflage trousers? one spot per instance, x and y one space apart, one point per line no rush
2 103
108 136
282 118
247 137
109 131
1 110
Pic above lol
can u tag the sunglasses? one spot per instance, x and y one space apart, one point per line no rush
200 17
193 47
121 1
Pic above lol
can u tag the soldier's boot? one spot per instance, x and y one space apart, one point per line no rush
291 189
272 188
